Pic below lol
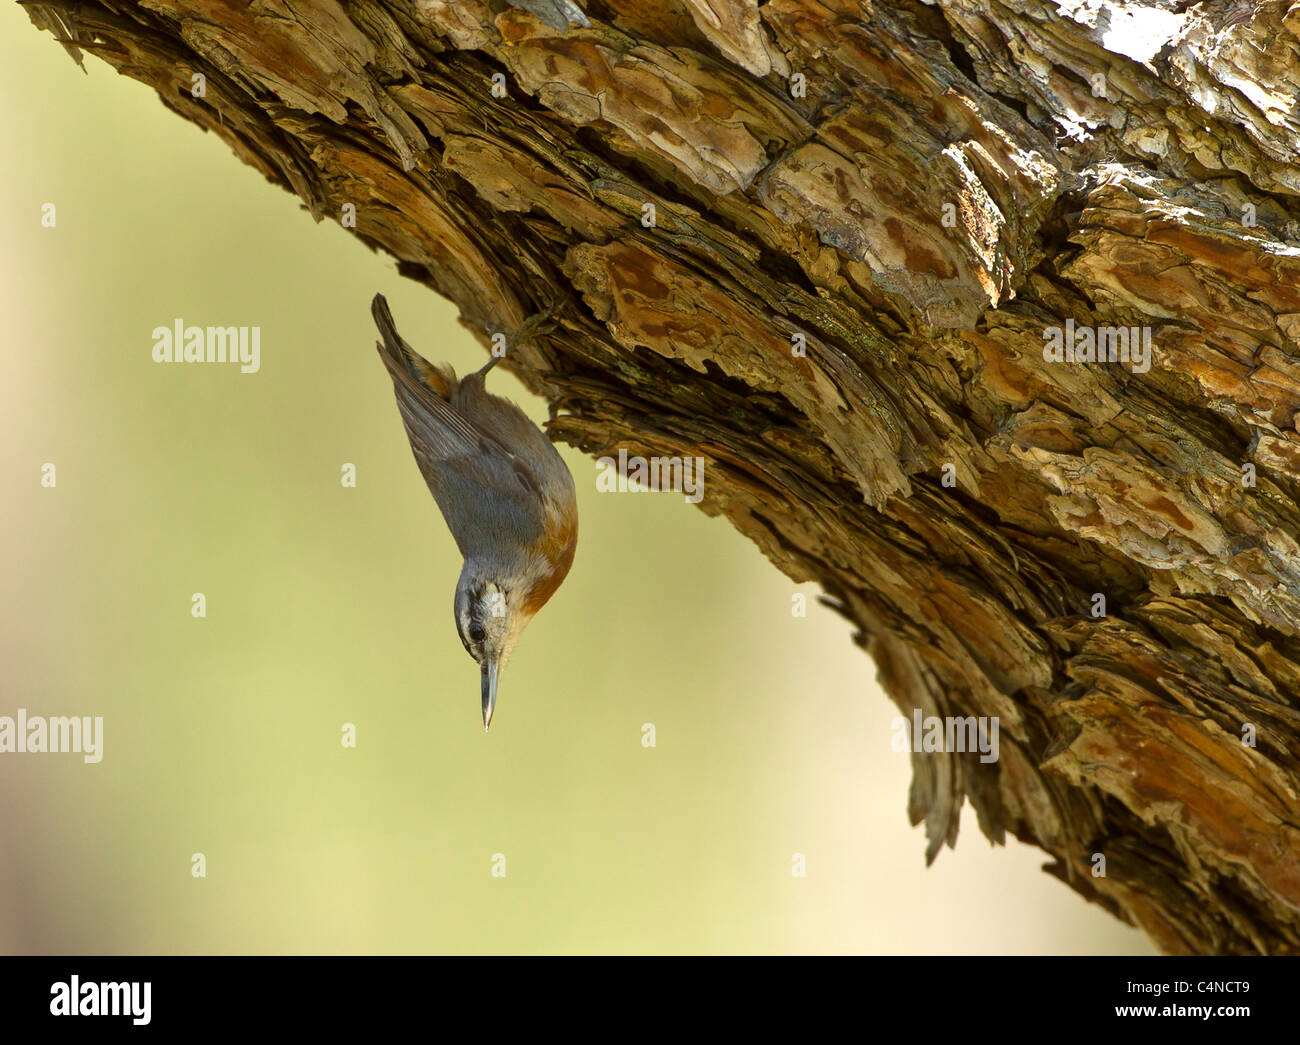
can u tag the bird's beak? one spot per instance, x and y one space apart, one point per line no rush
490 671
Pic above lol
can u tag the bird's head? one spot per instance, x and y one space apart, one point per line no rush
491 613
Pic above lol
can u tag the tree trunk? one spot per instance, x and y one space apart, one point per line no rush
832 248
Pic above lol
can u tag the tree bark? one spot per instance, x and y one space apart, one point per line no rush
867 219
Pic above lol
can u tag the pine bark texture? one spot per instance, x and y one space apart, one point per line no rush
920 190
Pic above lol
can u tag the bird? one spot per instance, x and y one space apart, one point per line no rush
507 496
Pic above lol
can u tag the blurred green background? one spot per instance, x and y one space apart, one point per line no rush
328 605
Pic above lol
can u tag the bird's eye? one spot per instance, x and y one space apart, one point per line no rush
476 632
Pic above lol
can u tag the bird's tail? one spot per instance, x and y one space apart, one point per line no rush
439 379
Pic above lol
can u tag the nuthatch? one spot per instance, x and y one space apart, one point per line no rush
504 490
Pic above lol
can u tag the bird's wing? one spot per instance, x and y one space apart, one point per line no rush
479 485
549 474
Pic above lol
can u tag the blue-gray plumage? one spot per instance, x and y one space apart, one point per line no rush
503 489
